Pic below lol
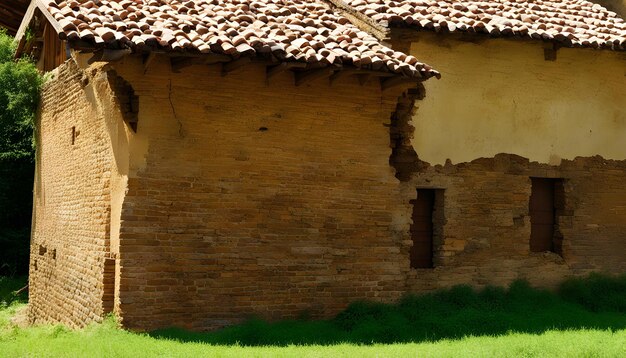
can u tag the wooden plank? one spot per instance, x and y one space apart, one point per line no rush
44 10
11 14
26 21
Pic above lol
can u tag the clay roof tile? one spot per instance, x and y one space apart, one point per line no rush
593 24
303 30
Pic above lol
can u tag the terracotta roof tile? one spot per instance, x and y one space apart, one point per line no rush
287 30
570 22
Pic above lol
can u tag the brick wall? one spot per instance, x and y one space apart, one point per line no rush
256 199
485 231
238 197
72 208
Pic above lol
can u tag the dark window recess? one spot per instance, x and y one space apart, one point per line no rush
108 285
422 229
546 202
73 135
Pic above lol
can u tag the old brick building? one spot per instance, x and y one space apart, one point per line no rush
200 162
523 139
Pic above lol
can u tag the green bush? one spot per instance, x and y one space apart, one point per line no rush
20 83
598 293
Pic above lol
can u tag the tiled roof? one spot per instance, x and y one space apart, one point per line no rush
570 22
285 30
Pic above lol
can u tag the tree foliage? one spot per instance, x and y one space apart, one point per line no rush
20 83
19 94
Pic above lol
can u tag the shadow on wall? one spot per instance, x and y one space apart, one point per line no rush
448 314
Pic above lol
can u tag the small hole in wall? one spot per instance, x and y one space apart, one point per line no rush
54 254
35 265
42 250
263 129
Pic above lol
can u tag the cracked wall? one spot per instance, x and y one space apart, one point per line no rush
527 110
501 96
487 226
256 199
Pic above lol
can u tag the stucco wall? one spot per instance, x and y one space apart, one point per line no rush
501 96
246 198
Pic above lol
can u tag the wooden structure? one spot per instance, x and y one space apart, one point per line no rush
38 37
11 14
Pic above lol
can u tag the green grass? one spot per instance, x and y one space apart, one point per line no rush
447 314
518 321
105 340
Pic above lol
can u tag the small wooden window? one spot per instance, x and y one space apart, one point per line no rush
422 229
543 207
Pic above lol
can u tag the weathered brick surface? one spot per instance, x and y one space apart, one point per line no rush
486 227
71 209
238 197
256 199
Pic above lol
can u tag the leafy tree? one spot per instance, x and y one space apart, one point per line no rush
20 83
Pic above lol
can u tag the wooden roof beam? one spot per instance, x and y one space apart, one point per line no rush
229 67
272 71
305 77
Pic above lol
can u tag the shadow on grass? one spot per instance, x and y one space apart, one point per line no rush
597 302
12 289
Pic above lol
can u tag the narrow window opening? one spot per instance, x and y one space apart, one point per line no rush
42 250
427 219
547 200
73 135
108 285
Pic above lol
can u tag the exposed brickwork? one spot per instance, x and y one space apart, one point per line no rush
256 199
244 197
486 229
71 215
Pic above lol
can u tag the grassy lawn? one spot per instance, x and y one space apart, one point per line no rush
105 340
587 318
